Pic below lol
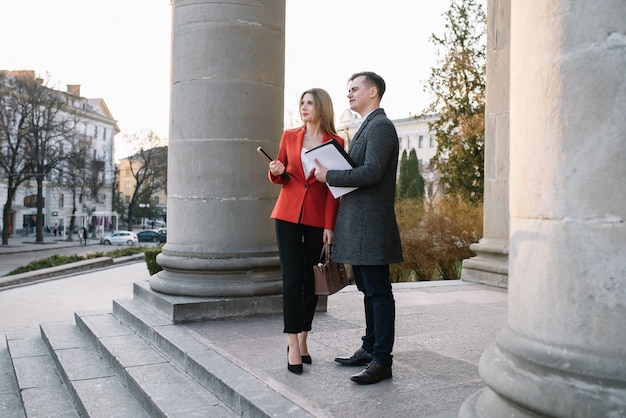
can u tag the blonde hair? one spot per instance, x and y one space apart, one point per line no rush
323 105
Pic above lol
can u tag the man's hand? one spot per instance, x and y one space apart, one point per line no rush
320 172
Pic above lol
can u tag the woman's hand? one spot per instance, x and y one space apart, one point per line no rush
329 236
277 168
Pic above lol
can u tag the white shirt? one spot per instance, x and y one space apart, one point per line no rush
307 165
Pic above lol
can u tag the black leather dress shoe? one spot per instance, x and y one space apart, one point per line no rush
359 358
374 373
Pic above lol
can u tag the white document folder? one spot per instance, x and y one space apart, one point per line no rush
333 157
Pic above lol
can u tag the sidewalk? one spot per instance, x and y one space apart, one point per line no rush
442 328
20 244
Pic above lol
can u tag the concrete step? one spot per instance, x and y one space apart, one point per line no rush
97 367
39 388
234 386
10 401
96 390
161 387
128 362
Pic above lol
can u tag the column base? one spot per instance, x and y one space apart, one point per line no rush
527 378
181 309
218 276
486 403
491 264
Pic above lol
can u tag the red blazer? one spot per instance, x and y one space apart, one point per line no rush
305 201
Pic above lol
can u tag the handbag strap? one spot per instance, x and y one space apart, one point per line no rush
325 254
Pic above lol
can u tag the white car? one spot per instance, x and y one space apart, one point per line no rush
120 238
155 223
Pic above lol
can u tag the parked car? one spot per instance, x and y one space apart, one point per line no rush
120 238
162 235
152 235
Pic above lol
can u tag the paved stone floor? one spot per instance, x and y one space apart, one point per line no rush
442 329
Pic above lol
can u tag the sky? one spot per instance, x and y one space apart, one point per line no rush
119 50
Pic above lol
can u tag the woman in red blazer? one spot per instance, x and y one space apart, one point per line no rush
305 214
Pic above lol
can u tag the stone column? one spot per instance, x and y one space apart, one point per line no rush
227 81
490 265
563 351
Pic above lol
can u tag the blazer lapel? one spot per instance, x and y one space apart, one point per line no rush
298 148
363 125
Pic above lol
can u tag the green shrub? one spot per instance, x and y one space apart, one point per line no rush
150 256
435 240
58 260
125 251
52 261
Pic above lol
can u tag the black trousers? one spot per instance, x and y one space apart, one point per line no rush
299 247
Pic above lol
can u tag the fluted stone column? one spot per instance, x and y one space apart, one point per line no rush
227 80
563 351
490 265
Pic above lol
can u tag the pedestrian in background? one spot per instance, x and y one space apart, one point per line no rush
366 234
305 214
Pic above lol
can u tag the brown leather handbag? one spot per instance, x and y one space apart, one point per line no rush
330 277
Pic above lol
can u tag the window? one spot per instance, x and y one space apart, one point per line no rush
127 185
61 197
126 199
104 134
432 142
31 201
421 141
95 131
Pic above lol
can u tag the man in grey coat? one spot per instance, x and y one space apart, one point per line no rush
366 232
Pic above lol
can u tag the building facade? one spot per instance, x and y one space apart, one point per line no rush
153 206
94 208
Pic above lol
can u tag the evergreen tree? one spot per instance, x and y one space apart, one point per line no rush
411 182
403 179
457 85
416 184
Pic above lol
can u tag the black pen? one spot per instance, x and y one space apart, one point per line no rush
270 159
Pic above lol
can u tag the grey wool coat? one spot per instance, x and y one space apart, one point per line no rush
366 232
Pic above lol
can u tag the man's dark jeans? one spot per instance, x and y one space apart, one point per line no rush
380 311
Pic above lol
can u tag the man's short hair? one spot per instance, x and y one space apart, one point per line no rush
371 79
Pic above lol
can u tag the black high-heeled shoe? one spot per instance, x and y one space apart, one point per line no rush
307 359
294 368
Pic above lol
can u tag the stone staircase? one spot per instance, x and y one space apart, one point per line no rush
128 362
